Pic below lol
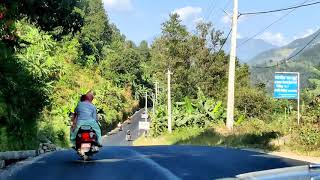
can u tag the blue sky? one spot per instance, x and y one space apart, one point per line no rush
141 19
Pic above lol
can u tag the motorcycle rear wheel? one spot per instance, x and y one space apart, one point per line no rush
86 157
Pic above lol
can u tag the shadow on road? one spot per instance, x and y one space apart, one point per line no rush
204 162
184 162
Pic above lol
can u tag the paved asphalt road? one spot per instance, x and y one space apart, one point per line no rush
155 162
118 139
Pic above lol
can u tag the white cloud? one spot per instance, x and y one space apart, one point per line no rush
118 5
188 13
306 33
276 39
226 19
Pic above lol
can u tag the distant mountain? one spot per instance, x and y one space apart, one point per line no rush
306 62
250 49
277 54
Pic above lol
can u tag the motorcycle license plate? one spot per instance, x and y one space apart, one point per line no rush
85 145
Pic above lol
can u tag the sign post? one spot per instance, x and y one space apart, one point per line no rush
169 102
144 125
298 99
287 86
146 107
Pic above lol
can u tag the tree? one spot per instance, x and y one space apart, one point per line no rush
144 51
41 77
96 32
26 81
171 51
48 14
193 58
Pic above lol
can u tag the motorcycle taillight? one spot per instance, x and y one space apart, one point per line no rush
85 136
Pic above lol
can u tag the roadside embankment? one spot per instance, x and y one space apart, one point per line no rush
10 157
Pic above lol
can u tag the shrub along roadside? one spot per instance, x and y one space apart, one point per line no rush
199 112
212 137
43 82
278 135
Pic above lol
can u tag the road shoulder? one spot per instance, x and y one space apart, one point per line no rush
14 168
289 155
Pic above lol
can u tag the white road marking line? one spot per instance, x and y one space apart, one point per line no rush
168 174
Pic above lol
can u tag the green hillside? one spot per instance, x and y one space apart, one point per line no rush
275 55
304 63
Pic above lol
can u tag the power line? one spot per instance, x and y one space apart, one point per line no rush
277 10
274 22
304 46
224 42
228 35
284 61
217 15
264 29
227 4
210 10
224 8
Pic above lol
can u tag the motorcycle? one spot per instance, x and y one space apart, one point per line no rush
128 136
86 142
120 126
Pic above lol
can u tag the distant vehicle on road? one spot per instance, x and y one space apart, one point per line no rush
128 136
144 115
120 126
129 120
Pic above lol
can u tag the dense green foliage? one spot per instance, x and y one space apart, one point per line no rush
197 67
192 58
54 52
199 76
200 112
47 64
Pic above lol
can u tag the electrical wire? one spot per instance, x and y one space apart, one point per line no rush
265 28
227 4
222 45
277 10
224 42
222 10
210 10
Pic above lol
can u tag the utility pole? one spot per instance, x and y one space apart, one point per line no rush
153 104
156 90
298 103
232 62
169 102
146 107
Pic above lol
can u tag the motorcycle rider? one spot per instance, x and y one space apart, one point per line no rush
120 126
85 114
128 135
